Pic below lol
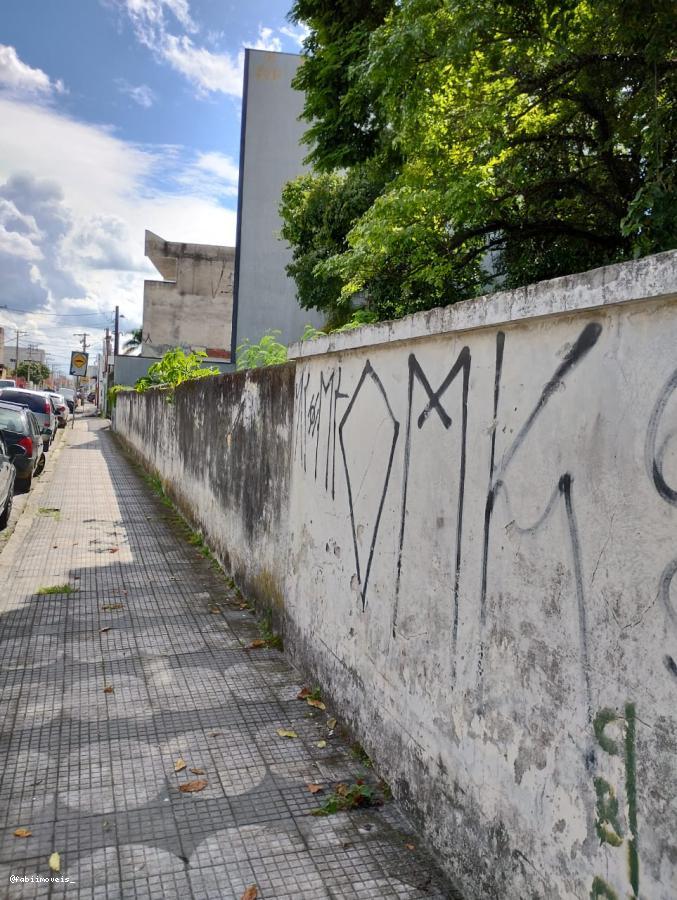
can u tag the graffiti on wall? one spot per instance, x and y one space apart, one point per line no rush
330 411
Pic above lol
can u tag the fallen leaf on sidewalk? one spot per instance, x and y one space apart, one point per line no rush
251 893
331 724
215 610
285 732
190 787
179 765
55 862
321 744
341 790
215 733
109 690
102 630
111 606
113 549
256 645
314 788
303 694
23 832
318 704
410 846
198 771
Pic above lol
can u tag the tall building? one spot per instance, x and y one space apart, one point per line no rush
192 307
271 153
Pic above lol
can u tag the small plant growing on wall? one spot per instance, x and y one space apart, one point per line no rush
174 368
268 352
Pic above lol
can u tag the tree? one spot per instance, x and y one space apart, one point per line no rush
318 211
535 139
34 371
135 340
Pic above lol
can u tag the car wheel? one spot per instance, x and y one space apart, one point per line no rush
40 465
6 513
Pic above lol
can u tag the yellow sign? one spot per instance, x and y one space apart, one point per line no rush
79 363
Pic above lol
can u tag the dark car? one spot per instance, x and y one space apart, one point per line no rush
7 477
40 404
21 431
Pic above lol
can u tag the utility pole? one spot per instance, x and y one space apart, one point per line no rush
82 336
106 350
116 343
16 358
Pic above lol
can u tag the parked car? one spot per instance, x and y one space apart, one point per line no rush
23 440
7 382
40 404
69 396
61 408
7 478
91 397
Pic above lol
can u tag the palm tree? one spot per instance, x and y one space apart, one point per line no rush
134 341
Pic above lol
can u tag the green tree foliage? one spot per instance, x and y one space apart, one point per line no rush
521 141
174 368
318 211
267 352
36 372
339 105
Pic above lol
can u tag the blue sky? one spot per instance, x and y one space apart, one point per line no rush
118 115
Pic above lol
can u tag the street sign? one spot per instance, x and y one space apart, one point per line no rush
79 362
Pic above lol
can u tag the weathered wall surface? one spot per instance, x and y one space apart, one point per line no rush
483 575
194 306
478 525
222 449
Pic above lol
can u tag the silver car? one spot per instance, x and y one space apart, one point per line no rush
40 404
61 408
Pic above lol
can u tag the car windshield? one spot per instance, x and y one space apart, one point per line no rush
11 420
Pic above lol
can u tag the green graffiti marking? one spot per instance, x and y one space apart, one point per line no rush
600 889
631 794
603 718
607 825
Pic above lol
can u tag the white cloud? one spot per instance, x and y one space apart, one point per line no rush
74 203
209 72
18 77
139 93
149 15
267 40
210 175
298 35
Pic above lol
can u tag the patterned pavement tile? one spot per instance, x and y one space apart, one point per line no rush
92 772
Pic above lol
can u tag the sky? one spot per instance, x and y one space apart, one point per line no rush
116 116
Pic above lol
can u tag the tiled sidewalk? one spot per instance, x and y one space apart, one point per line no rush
91 773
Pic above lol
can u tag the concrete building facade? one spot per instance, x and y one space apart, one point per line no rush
271 153
192 307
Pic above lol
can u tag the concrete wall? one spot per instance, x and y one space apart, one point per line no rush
194 306
222 450
482 567
271 154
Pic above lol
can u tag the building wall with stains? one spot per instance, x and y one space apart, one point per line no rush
222 451
482 574
477 528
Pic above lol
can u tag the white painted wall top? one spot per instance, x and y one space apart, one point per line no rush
652 277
